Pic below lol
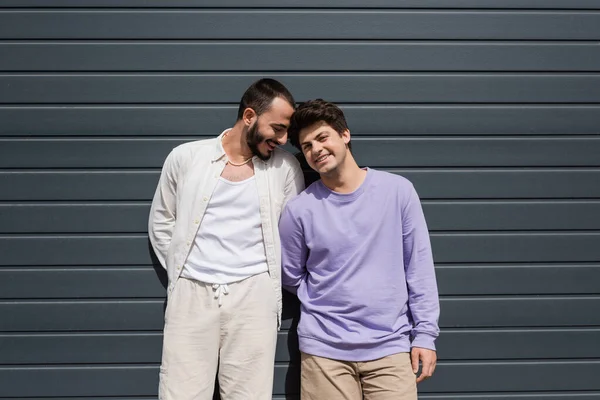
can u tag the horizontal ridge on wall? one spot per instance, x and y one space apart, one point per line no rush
299 56
298 24
145 347
80 282
479 247
148 315
397 120
450 377
446 183
344 88
258 4
383 152
441 215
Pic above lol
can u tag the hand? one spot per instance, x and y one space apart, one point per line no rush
428 359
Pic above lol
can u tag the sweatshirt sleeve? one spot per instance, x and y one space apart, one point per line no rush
293 251
423 301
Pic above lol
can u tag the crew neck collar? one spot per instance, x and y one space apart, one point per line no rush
347 197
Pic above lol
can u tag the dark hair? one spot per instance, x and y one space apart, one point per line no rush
314 111
261 94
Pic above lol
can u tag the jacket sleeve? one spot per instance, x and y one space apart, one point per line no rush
423 301
163 210
294 183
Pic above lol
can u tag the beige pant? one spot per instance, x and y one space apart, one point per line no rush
388 378
237 338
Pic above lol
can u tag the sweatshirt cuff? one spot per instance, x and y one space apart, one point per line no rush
424 341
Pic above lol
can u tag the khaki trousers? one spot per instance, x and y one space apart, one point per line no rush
388 378
235 339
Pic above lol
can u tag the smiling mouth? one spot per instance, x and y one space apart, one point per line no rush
321 159
270 145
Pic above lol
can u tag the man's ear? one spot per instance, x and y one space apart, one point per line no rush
248 116
346 136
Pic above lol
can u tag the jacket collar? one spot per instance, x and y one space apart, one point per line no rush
220 151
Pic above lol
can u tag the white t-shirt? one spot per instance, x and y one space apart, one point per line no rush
229 246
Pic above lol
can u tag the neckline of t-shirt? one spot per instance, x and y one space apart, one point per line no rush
232 183
347 197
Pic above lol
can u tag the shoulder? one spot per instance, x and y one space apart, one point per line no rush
284 157
186 152
284 160
192 148
307 199
393 181
388 184
182 156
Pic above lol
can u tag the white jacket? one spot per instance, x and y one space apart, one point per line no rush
188 179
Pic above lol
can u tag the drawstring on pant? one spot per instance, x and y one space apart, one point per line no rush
220 291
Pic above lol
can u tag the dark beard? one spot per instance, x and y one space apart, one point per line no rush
253 139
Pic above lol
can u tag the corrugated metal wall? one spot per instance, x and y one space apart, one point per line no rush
491 109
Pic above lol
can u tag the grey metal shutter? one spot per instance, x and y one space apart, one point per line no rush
490 108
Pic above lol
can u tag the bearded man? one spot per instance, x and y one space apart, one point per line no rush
214 228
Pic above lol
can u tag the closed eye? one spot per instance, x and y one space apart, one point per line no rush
279 128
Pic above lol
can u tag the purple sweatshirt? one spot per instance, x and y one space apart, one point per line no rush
362 268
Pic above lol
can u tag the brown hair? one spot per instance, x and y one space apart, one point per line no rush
314 111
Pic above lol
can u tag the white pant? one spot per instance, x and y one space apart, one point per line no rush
237 337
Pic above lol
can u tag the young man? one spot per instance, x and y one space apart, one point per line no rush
214 227
355 248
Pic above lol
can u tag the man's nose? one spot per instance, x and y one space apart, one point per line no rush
316 149
282 140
